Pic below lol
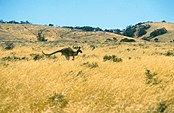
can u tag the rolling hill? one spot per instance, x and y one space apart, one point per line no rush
30 33
167 37
151 31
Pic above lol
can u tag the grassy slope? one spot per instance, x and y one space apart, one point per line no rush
26 85
163 38
22 32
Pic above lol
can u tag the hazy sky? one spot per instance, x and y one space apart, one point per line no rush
97 13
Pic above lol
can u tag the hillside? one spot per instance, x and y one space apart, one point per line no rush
167 37
29 33
151 31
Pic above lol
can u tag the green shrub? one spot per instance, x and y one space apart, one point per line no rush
36 56
93 47
151 78
91 65
156 40
13 58
9 45
4 64
169 53
112 58
161 107
146 38
58 100
127 40
106 57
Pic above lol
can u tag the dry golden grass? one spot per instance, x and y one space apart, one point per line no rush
26 85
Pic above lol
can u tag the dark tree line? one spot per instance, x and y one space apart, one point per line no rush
158 32
129 31
84 28
15 22
89 28
116 31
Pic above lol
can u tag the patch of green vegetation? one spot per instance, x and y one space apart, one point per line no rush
4 64
127 40
13 58
151 78
57 102
92 47
91 65
9 45
169 53
113 58
159 107
37 56
158 32
162 106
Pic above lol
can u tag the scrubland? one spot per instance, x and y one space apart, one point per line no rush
141 82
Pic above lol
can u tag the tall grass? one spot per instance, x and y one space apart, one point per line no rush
57 85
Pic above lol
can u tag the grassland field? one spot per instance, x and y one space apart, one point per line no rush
141 81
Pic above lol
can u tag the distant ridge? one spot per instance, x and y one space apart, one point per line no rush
32 32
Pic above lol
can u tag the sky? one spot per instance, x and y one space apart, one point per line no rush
106 14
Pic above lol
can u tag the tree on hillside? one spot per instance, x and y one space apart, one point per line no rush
116 31
84 28
141 30
1 21
158 32
69 27
87 28
25 22
13 22
98 29
51 25
129 31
